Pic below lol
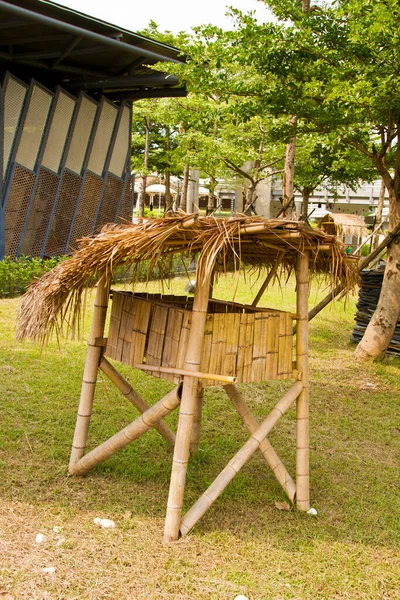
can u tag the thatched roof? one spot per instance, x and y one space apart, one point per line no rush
344 224
221 244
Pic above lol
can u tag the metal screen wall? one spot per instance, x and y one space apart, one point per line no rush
57 137
14 97
67 168
81 134
102 137
33 127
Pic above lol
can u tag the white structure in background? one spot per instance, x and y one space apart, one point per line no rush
193 191
156 191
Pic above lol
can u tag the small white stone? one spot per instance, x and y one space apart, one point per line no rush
49 570
241 597
312 512
57 529
40 538
60 542
107 524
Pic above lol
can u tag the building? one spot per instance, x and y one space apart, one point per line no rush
67 86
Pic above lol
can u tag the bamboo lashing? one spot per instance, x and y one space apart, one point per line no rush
187 409
183 372
90 372
240 459
302 409
268 278
268 452
127 390
131 432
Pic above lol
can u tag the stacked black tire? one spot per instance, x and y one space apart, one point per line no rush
371 283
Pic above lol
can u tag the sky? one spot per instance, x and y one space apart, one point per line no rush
172 15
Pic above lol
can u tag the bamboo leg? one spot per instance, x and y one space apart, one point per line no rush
302 416
268 452
131 432
237 462
127 390
187 411
93 357
196 427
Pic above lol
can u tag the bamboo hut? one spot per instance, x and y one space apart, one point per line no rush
193 343
350 228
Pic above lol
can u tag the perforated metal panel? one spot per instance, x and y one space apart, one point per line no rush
58 132
126 208
63 214
87 210
122 143
17 203
113 189
39 214
81 135
33 127
102 137
14 97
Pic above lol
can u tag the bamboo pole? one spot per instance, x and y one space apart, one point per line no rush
127 390
131 432
187 410
93 357
196 427
302 409
270 275
188 372
268 452
240 458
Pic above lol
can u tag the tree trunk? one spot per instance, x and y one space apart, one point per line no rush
185 185
378 219
305 192
142 194
381 327
168 197
288 174
142 197
250 198
211 204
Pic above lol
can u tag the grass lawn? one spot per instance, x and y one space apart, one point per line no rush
243 545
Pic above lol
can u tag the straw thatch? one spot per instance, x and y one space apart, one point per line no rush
218 243
343 224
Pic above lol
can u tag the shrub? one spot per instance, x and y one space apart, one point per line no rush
17 274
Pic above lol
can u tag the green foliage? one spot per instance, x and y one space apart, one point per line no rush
16 275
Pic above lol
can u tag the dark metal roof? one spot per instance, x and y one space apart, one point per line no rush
58 45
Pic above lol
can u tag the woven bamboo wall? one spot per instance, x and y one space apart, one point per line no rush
239 341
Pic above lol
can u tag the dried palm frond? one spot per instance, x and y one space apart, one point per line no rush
220 244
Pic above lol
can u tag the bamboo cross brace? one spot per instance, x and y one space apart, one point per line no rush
131 432
240 459
269 278
268 452
130 394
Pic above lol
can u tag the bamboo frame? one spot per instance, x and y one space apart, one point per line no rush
196 427
183 372
187 410
268 279
268 452
240 459
302 409
127 390
93 358
130 433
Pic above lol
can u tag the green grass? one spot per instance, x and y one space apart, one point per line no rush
243 545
